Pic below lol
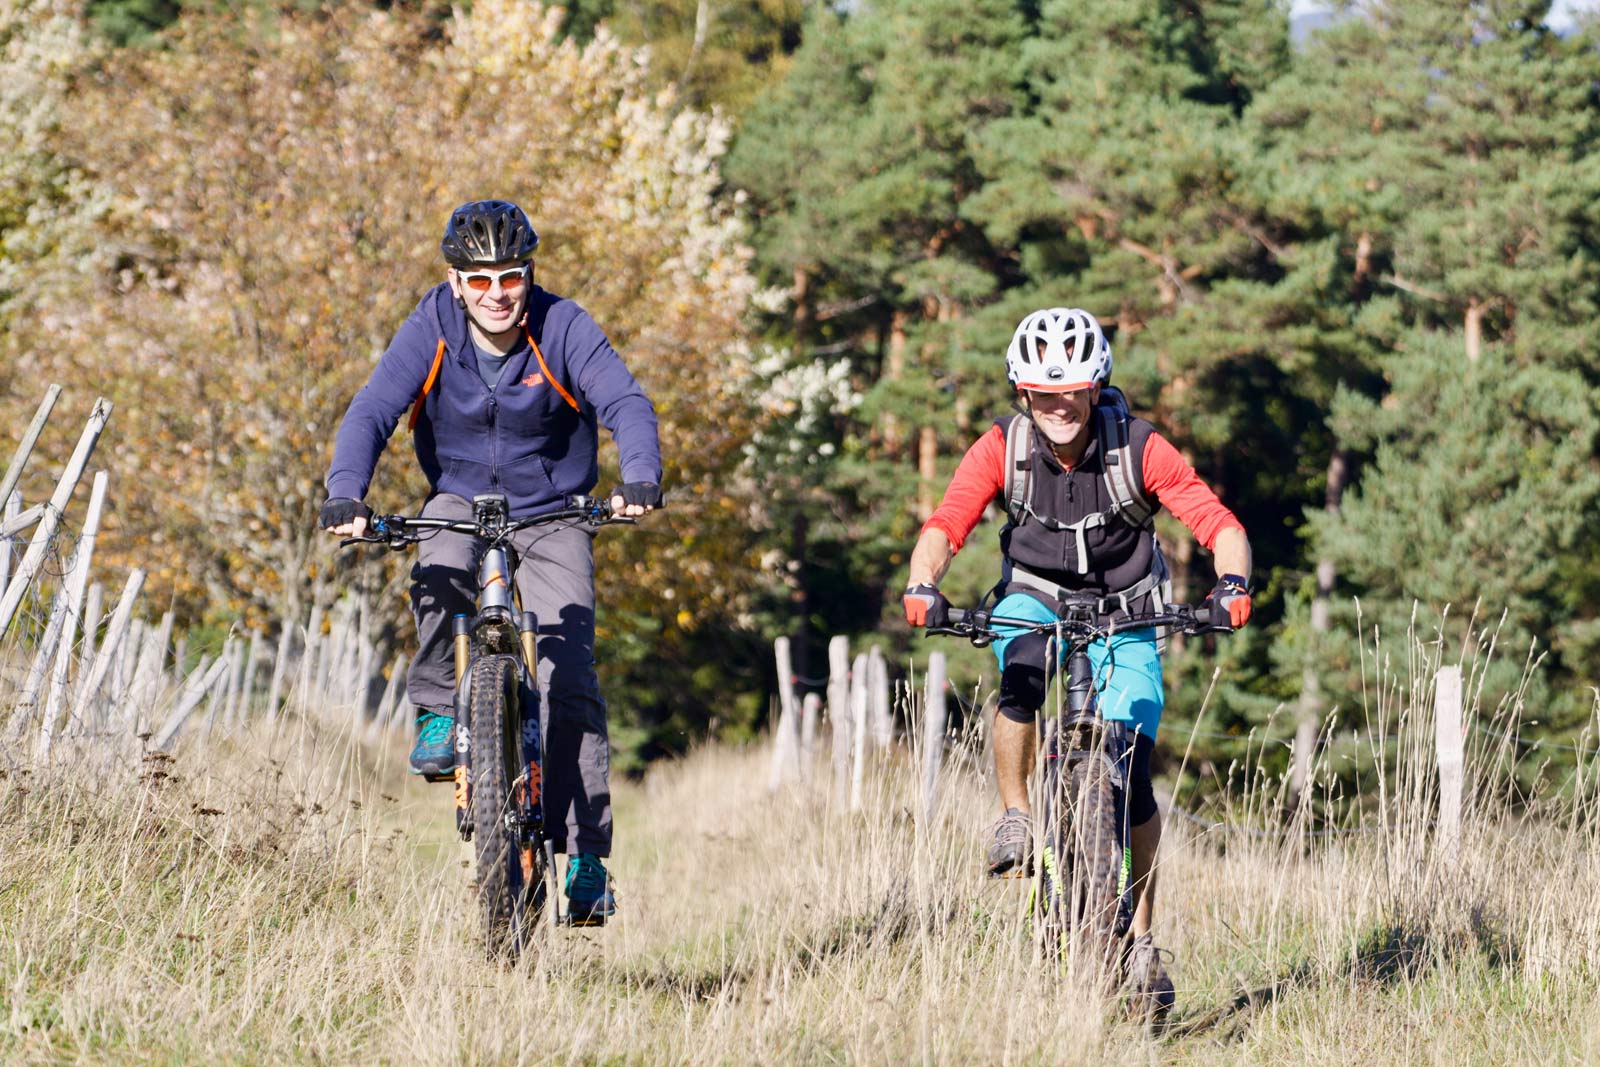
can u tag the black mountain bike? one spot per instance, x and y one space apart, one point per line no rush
1082 899
499 742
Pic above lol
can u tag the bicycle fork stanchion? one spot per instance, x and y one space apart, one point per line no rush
529 793
461 634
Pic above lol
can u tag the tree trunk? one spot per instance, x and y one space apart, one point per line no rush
1474 328
894 369
1313 703
803 312
927 471
1363 258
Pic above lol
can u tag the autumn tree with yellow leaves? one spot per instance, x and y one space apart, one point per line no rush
276 193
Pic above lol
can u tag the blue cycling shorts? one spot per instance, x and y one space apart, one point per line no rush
1127 668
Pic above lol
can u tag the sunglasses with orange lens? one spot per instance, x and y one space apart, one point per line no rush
483 281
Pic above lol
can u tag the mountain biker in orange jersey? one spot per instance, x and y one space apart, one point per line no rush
505 384
1070 533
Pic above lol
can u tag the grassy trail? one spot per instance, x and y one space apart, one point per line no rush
299 902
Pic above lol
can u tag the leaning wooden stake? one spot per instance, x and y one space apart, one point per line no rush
200 684
19 458
116 630
1448 736
13 508
933 727
71 604
51 520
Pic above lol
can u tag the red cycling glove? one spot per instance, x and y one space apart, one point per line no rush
926 606
1229 601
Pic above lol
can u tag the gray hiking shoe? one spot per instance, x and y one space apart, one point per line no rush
1011 845
1146 984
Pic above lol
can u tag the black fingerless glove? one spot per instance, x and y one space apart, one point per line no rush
340 510
644 494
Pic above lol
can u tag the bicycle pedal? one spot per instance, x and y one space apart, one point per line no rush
1015 872
587 921
447 777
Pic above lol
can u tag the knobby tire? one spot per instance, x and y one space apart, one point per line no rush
507 892
1077 898
1095 859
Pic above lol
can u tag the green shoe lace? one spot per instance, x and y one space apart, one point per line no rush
434 729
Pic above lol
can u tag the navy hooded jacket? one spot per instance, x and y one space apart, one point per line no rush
533 437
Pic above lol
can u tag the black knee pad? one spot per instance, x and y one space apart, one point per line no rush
1141 792
1024 677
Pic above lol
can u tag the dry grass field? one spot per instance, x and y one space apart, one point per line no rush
294 898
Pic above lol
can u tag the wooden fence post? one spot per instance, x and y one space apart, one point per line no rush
810 709
839 713
880 718
858 727
1448 736
280 665
933 728
91 627
786 738
252 665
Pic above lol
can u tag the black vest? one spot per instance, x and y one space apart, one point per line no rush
1119 553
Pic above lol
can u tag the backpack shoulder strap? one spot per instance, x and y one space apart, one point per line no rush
1018 467
427 386
1122 480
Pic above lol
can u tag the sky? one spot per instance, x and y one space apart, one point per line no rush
1560 15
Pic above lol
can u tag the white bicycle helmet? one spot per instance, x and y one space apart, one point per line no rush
1057 350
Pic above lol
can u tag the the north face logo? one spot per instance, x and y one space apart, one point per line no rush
533 379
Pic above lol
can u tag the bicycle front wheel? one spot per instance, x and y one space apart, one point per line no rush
1095 858
504 895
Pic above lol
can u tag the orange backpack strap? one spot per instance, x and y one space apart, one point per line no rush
551 378
427 386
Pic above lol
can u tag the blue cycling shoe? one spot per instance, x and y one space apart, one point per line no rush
435 751
589 899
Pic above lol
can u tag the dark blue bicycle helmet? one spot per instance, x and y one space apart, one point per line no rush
488 231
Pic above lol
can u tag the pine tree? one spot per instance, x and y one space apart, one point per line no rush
1447 150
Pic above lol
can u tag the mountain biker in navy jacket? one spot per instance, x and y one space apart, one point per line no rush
505 385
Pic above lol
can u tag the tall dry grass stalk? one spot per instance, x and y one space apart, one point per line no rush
291 896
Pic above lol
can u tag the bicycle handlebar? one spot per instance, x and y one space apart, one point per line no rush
979 626
399 531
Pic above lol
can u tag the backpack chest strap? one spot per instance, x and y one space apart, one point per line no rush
1118 601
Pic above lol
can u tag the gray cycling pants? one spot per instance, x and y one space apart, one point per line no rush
555 581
